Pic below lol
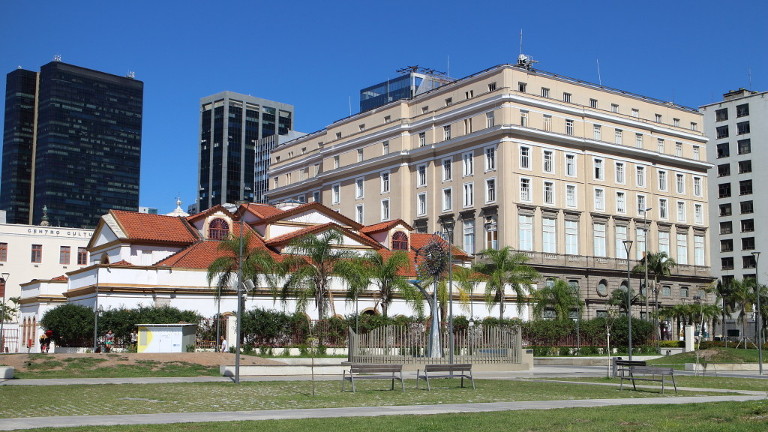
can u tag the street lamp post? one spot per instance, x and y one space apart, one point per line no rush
758 315
449 233
3 279
628 247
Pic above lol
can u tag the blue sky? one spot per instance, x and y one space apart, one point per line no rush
317 55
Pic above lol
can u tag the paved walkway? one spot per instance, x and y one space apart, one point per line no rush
141 419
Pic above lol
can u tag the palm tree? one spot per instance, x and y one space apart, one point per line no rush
505 267
309 267
659 266
466 280
257 263
724 295
386 274
743 295
558 296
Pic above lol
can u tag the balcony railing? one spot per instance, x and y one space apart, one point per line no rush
603 263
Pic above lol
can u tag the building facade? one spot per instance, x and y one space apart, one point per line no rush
560 169
29 252
72 143
413 81
737 127
231 125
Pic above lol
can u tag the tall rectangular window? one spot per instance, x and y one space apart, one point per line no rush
385 210
525 157
335 193
82 256
360 155
620 177
682 249
547 123
599 239
639 140
469 194
37 253
568 127
421 175
680 183
525 224
469 235
697 191
570 195
549 235
421 204
385 147
663 210
64 255
641 206
664 242
336 161
490 120
566 97
681 211
571 237
678 149
621 202
384 182
544 92
593 103
660 145
3 252
599 170
640 176
490 190
548 161
524 118
525 189
359 213
698 250
640 246
468 166
490 228
446 132
359 188
599 199
597 132
422 139
447 169
662 180
618 137
549 193
447 199
621 235
698 213
490 158
570 165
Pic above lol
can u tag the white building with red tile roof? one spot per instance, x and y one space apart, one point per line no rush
146 260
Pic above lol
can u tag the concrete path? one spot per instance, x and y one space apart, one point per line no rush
141 419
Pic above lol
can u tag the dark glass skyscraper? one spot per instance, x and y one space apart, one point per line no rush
231 126
72 143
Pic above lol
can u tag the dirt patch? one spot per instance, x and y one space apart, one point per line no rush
21 362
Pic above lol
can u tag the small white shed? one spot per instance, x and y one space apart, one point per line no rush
165 338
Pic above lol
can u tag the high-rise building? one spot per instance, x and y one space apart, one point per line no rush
737 127
413 81
560 169
71 143
230 126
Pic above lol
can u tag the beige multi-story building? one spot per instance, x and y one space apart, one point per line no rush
561 169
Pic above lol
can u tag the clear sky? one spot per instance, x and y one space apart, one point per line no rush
317 55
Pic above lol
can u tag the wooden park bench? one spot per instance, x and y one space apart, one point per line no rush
358 371
639 371
458 370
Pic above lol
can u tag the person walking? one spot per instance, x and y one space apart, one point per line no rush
44 341
224 345
109 341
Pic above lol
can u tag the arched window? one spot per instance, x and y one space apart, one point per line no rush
602 287
218 229
399 241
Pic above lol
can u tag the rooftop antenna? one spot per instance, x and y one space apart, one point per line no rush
749 73
449 66
350 104
523 60
521 42
131 74
599 78
57 58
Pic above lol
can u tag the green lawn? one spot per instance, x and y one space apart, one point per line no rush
720 355
711 417
33 401
710 382
44 366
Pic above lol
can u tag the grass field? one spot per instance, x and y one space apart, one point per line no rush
104 399
709 356
711 382
87 367
711 417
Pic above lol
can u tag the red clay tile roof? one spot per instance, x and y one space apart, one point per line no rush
314 229
121 263
262 211
62 278
154 228
200 255
314 206
420 240
384 226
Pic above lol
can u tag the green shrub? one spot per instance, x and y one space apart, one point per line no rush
72 325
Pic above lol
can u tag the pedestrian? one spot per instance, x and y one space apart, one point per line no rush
44 341
224 345
134 340
109 340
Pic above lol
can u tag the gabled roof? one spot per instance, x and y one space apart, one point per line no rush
262 211
62 278
315 229
317 207
214 209
154 228
384 226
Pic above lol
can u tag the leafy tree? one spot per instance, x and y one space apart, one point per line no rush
505 267
309 267
123 321
386 273
72 324
743 295
659 266
257 264
560 297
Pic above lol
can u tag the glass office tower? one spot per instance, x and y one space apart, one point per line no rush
72 143
415 81
231 126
